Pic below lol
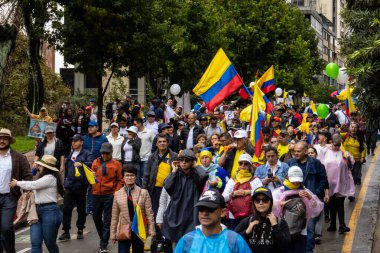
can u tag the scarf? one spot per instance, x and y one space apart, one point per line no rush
243 176
210 168
131 206
290 186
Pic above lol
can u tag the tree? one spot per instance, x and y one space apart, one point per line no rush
361 47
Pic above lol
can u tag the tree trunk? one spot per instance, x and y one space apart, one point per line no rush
36 82
7 44
100 99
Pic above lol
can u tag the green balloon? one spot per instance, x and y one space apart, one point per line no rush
332 70
323 110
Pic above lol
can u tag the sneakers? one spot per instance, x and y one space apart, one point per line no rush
344 229
318 239
64 237
80 234
104 250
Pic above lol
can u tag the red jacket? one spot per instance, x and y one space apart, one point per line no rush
109 183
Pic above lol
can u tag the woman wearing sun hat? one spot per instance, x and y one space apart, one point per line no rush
46 189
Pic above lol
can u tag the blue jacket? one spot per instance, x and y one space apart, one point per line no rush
93 144
226 242
314 176
71 181
281 172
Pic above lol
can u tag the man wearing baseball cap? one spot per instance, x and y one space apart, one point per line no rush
212 235
184 185
229 160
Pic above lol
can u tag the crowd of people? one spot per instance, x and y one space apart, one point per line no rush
195 177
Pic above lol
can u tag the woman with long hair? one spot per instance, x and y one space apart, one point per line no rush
46 189
263 231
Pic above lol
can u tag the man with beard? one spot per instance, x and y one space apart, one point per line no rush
12 165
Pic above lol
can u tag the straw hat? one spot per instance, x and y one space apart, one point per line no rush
49 162
7 133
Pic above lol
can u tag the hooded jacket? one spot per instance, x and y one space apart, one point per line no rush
93 143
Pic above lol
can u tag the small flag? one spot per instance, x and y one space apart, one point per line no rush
245 93
266 82
138 224
91 178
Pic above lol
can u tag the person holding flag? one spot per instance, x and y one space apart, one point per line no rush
132 215
75 187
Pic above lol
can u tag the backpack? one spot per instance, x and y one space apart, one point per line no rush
241 206
295 214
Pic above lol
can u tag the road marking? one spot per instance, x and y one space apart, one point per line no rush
24 250
349 238
22 230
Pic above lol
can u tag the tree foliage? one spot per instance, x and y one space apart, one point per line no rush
361 46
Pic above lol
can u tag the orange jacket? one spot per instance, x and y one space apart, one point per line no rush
111 182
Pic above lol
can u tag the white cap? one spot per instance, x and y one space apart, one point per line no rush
132 129
239 134
246 158
115 124
295 174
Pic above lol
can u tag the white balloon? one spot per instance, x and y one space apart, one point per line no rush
278 92
343 77
175 89
251 84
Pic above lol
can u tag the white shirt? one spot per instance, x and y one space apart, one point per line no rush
49 149
5 172
343 119
153 127
44 188
123 132
128 152
209 130
255 183
74 156
116 145
147 137
189 141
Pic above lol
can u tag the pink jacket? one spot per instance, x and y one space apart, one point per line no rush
313 206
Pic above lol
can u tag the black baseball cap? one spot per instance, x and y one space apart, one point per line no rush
263 190
211 199
77 137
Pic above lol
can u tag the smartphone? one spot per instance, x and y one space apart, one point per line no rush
270 174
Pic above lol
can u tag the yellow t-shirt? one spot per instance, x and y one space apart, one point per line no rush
282 149
162 172
235 165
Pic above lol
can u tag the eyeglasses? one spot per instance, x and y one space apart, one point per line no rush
184 160
258 201
244 163
272 142
130 175
337 145
206 209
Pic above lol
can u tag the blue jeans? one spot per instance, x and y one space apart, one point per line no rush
143 165
102 213
135 242
46 230
8 206
310 243
299 244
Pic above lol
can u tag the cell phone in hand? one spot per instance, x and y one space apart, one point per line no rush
270 174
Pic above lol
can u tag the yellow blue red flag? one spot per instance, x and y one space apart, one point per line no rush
266 82
138 224
218 82
350 107
258 104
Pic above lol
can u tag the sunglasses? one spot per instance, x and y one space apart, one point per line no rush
206 209
185 160
337 145
258 201
244 163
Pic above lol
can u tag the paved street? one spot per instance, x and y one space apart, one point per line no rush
362 222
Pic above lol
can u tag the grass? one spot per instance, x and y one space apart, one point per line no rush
23 144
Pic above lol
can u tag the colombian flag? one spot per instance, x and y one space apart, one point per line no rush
138 224
350 107
257 122
89 175
266 82
245 93
218 82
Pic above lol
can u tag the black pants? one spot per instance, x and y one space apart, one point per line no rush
102 214
8 206
357 172
370 139
70 199
135 242
336 206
